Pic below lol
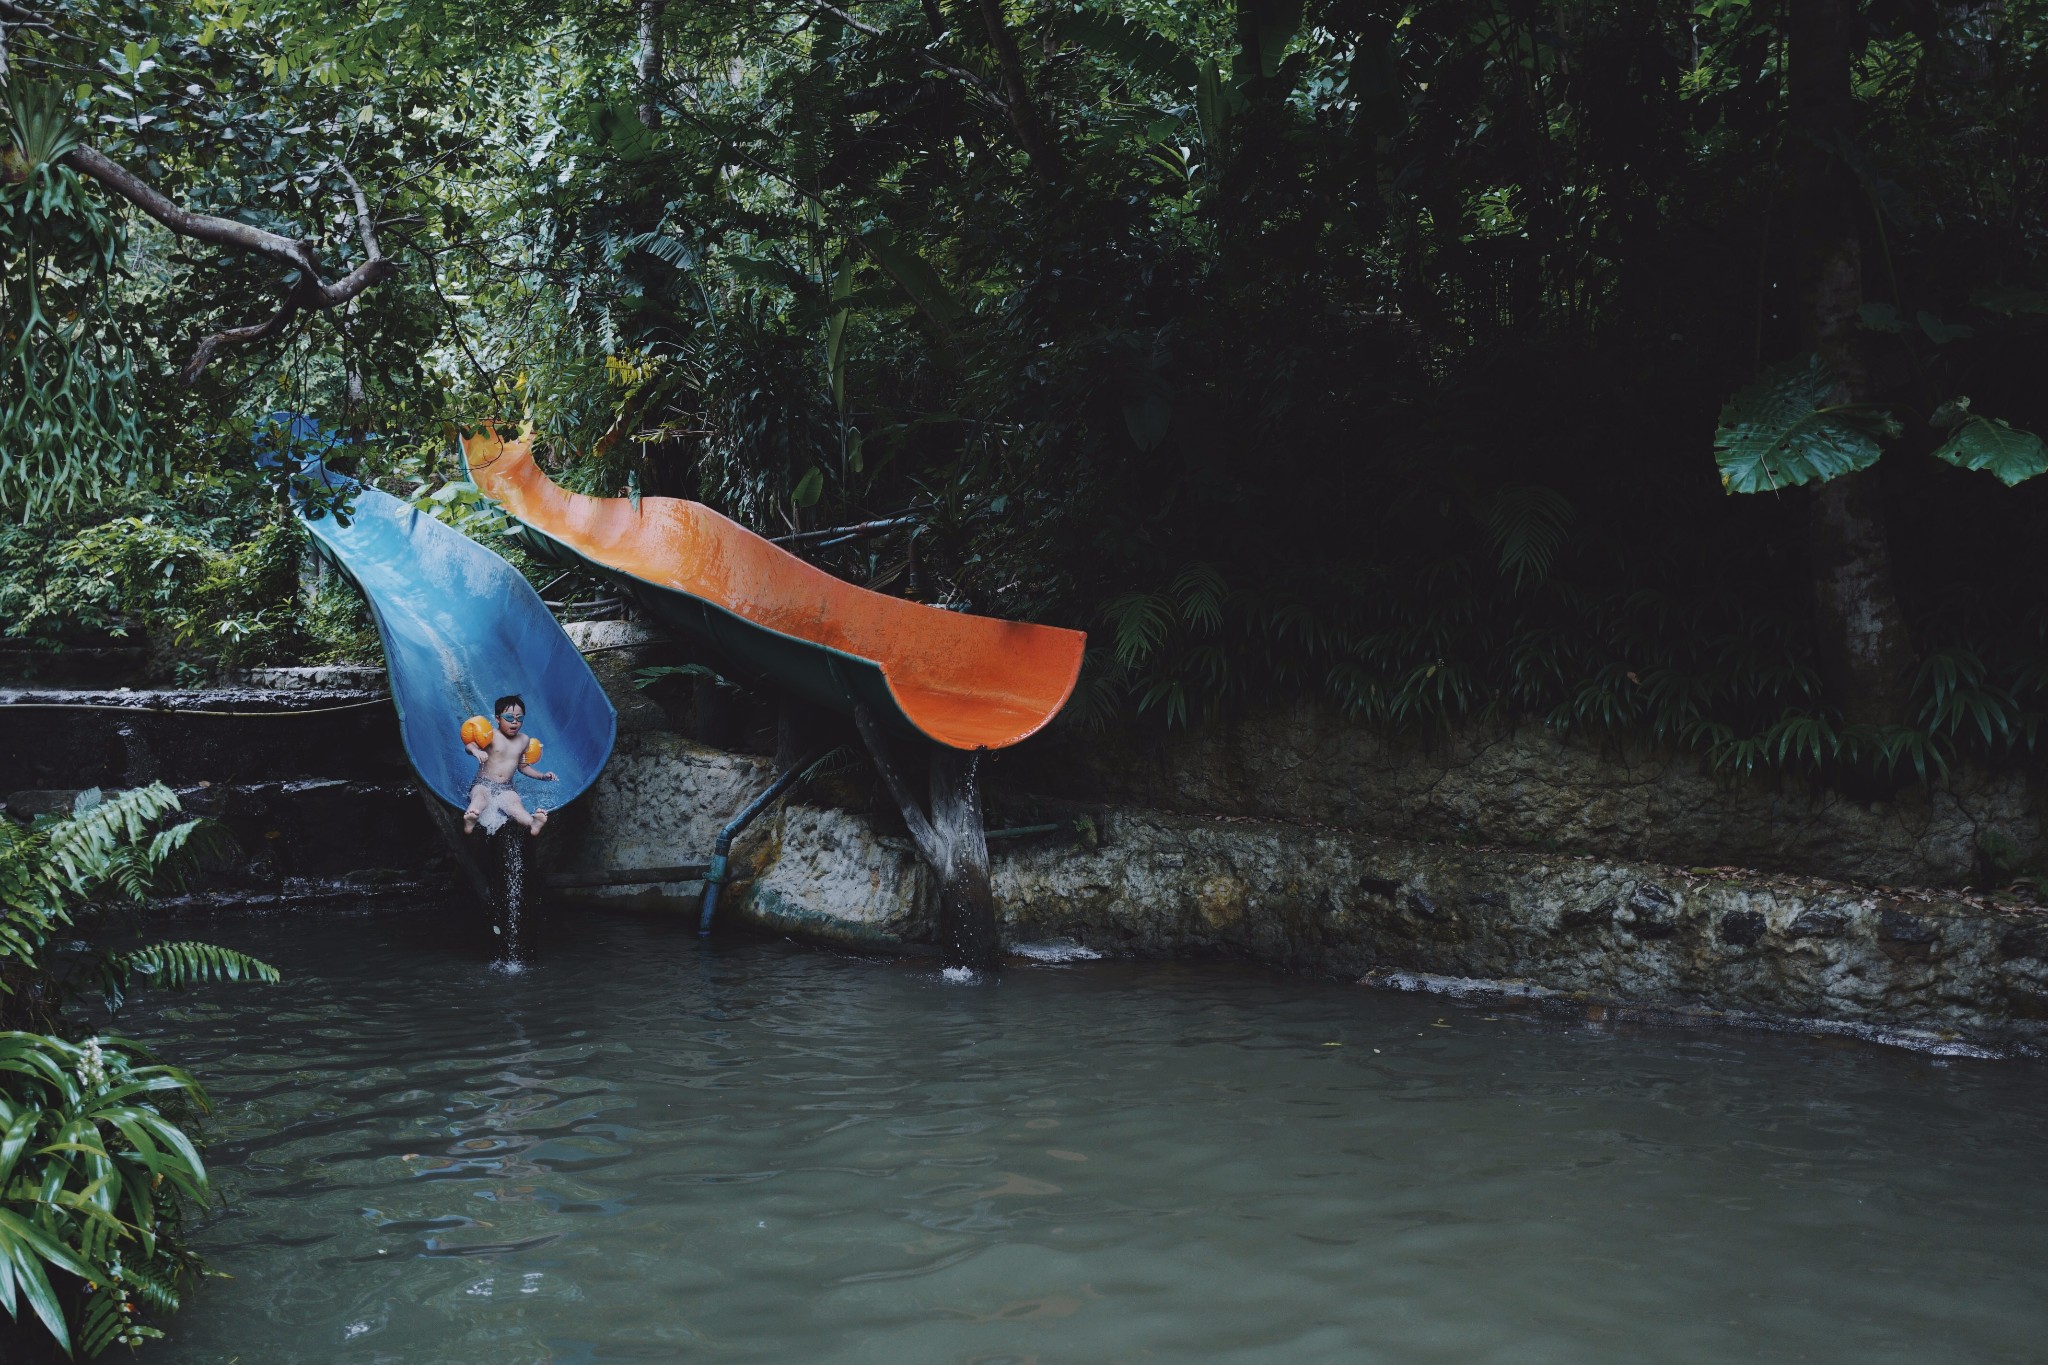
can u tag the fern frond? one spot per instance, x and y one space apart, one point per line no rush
1140 623
1527 524
180 966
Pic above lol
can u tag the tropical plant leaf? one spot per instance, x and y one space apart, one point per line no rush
913 275
1217 104
1999 449
43 131
673 250
1939 332
180 966
1527 524
1140 623
1147 418
1134 44
1778 433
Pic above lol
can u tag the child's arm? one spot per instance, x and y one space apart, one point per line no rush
477 752
536 773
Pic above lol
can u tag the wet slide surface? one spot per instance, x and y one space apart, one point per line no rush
970 682
461 627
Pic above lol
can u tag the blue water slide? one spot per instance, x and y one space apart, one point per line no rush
460 626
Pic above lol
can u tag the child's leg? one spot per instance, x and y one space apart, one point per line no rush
478 799
515 808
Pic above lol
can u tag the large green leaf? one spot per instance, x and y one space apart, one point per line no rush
1264 30
2003 451
913 275
1778 433
1133 43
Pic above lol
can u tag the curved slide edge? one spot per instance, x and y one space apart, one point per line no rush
967 682
460 628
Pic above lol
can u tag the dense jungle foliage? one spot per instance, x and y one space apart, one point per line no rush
1478 361
1384 354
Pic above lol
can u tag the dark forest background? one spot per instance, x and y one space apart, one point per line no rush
1480 359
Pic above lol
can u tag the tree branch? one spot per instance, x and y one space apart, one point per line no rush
308 292
1023 112
202 227
365 224
980 86
209 347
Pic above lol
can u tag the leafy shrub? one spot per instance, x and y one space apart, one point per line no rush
212 602
96 1170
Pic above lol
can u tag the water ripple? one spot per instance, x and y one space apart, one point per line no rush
646 1149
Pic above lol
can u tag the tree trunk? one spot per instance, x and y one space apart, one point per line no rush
1024 116
647 62
1866 651
800 728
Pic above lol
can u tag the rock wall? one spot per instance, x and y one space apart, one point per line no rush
1530 788
306 778
1937 967
1527 788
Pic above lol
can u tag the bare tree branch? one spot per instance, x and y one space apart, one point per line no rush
365 224
310 292
213 345
199 226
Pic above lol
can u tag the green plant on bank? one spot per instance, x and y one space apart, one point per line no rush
96 1167
1449 642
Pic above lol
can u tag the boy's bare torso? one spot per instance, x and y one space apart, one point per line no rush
492 800
501 760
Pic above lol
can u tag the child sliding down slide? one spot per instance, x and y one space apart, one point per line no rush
492 800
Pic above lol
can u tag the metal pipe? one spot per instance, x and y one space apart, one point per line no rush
626 876
714 875
1021 831
859 528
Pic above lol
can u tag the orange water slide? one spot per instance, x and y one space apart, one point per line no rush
969 682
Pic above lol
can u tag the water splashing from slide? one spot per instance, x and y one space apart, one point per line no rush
510 852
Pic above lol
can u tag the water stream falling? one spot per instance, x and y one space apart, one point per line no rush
649 1148
508 849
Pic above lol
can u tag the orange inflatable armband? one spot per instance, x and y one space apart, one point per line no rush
477 730
532 753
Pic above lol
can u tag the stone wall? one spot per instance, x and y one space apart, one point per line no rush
1527 788
1937 968
1530 788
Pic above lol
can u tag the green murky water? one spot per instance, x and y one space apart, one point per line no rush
645 1150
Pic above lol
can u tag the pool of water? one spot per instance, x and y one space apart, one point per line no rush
641 1149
